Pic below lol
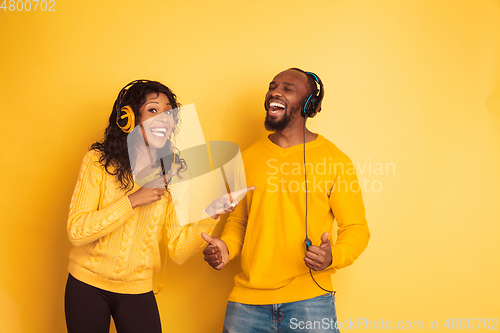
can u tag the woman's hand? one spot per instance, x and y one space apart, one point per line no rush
149 193
226 203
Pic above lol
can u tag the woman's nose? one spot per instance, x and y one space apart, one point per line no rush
162 116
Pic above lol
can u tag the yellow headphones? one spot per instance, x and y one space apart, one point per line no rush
125 119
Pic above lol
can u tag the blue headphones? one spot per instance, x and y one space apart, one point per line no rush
312 103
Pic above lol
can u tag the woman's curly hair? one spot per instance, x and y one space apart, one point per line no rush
114 151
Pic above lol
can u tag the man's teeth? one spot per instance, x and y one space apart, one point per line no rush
277 105
159 131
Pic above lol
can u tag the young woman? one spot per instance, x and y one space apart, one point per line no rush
126 194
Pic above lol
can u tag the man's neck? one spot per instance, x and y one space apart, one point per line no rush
291 137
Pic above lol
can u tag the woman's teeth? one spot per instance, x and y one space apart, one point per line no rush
160 132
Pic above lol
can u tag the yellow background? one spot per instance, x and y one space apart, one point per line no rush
412 83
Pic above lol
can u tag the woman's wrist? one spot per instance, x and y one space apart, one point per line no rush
132 201
211 213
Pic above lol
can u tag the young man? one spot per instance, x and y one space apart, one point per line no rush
285 285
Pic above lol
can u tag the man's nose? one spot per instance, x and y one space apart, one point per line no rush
276 92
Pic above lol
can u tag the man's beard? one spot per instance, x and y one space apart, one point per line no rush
283 122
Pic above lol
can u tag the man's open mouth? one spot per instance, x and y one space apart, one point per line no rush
276 107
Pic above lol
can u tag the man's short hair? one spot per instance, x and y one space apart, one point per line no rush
310 80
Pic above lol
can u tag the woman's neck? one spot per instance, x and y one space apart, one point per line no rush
145 158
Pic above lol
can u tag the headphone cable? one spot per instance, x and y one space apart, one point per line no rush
307 241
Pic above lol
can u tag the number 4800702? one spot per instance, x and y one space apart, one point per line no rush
28 5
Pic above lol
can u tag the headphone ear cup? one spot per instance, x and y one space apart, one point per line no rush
308 109
125 119
312 107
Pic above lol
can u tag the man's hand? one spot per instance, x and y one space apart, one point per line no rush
216 252
319 257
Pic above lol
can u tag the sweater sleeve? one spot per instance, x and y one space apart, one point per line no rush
87 221
184 238
347 206
235 228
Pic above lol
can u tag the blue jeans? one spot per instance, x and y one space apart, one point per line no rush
311 315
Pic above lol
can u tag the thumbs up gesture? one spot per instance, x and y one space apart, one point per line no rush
216 252
319 257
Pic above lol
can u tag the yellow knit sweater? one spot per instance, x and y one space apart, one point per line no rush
268 227
115 246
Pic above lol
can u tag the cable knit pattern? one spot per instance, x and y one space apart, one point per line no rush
116 247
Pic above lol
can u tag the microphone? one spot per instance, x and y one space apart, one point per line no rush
308 243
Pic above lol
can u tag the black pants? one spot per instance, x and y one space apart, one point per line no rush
89 310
